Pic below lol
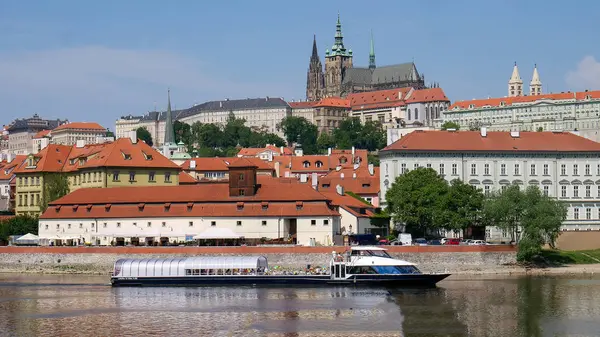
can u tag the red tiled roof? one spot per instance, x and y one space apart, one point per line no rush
328 162
495 102
302 105
51 159
350 204
363 183
254 151
379 98
494 141
186 179
333 102
6 217
427 95
216 164
42 134
81 125
7 170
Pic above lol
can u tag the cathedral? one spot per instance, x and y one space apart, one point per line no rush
341 78
515 83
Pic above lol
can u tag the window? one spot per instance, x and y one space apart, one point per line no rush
242 192
546 169
575 169
588 191
264 222
403 168
598 170
57 226
428 165
416 166
486 190
517 169
116 176
151 176
325 222
575 191
546 190
588 213
563 191
238 223
473 169
502 169
532 171
486 169
118 225
563 169
319 163
69 225
213 223
454 169
167 177
442 169
46 226
313 222
576 213
588 170
241 177
131 176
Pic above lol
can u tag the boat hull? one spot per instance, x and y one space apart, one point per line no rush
412 280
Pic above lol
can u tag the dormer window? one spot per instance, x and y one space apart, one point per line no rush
366 185
343 160
126 156
147 156
471 106
306 163
319 163
502 103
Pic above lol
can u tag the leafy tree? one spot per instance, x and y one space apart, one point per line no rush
348 133
373 159
183 132
540 129
505 209
109 133
325 141
450 125
475 126
462 205
208 135
143 134
416 200
298 129
271 138
56 185
18 225
372 136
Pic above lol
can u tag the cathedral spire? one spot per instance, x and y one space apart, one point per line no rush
169 132
515 84
535 86
372 53
315 54
338 46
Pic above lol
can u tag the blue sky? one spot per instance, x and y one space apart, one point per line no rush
96 61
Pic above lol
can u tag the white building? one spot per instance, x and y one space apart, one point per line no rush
72 133
304 109
563 165
402 107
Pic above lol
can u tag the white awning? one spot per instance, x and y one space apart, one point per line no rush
218 233
28 237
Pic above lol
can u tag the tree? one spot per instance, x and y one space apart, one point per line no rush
416 200
450 125
373 159
348 134
143 134
18 225
537 216
183 132
109 133
461 206
372 136
271 138
56 185
298 129
475 126
325 141
540 129
208 135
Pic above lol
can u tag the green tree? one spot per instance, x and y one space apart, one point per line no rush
462 206
56 185
298 129
373 158
208 135
109 133
416 200
348 134
450 125
536 216
18 225
271 138
143 134
325 141
183 132
372 136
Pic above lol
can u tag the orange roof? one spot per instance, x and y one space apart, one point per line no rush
302 105
81 125
51 159
253 151
363 183
380 98
333 102
318 163
496 102
7 169
494 141
350 204
185 179
427 95
214 164
42 134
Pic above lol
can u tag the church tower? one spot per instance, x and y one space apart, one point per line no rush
515 84
372 54
535 86
337 61
315 80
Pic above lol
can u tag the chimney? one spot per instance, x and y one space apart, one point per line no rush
354 175
281 150
270 156
277 168
80 143
371 169
133 136
514 134
220 104
315 181
399 95
9 157
329 151
483 131
353 151
339 189
342 176
303 178
192 164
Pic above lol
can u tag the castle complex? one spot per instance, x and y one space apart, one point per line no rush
341 78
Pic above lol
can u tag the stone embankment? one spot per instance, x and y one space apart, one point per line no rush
99 260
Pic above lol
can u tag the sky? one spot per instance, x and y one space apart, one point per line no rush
98 60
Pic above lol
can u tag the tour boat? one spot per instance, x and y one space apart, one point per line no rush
358 266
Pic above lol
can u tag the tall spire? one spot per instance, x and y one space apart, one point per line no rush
515 84
535 86
372 53
169 132
338 46
315 54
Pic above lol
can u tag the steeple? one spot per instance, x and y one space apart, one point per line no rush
338 46
169 132
315 54
315 80
535 86
372 53
515 84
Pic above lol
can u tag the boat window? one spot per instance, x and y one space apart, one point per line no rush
203 271
361 270
396 270
188 272
380 253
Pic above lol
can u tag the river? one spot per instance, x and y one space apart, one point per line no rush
74 305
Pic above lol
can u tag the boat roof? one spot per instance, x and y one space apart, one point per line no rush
370 261
203 262
367 248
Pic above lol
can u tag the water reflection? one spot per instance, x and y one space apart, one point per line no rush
74 305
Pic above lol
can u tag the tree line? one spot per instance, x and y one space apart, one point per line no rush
424 202
209 139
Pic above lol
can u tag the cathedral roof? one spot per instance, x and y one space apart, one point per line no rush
385 74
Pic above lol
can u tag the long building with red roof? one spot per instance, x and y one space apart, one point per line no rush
563 165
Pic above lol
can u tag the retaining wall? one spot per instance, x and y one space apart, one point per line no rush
99 260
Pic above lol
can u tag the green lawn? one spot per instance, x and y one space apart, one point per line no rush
572 257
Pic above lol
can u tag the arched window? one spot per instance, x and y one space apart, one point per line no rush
427 112
416 113
409 114
437 112
343 160
319 163
306 163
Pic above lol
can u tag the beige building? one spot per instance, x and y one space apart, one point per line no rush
304 109
330 112
72 133
22 131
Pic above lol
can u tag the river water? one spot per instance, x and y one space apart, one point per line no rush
73 305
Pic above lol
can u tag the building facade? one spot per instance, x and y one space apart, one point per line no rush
330 112
305 109
7 177
71 133
563 165
21 132
341 78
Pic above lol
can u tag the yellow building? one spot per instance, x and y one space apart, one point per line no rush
113 164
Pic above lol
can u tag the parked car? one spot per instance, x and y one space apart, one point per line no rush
434 242
478 243
466 242
443 240
452 242
395 242
420 242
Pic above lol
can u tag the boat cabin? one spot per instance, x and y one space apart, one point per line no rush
369 261
369 251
